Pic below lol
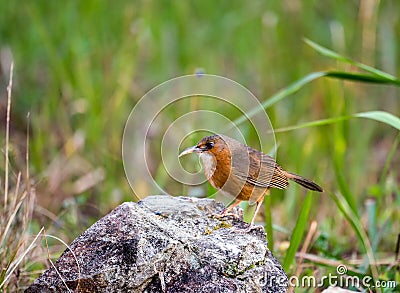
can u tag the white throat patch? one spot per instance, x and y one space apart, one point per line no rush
209 164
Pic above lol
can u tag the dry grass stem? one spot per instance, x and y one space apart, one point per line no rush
304 248
9 90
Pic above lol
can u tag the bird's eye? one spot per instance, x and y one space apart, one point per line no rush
209 145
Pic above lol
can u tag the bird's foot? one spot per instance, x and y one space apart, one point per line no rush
248 229
223 215
253 227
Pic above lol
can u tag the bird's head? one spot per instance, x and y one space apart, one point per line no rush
211 145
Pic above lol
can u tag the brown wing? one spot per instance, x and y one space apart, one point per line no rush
263 171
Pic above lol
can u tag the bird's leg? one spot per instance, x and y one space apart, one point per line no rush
251 226
258 205
226 212
231 207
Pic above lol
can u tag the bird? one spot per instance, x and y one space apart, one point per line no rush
242 172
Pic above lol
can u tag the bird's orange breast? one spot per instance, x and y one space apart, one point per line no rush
218 170
222 171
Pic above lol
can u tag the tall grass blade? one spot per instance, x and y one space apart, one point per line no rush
326 52
10 221
343 186
298 232
355 222
331 54
371 211
9 91
268 223
287 91
297 85
381 116
16 264
313 123
389 159
55 268
377 76
350 76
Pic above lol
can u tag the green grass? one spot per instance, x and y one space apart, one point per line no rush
316 67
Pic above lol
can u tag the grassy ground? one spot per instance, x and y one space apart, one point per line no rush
80 67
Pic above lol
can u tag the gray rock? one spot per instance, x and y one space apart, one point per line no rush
166 244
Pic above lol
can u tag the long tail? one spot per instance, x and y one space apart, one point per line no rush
304 182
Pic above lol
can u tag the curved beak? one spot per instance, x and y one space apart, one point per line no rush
193 149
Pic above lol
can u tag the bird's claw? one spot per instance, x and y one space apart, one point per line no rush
223 215
248 229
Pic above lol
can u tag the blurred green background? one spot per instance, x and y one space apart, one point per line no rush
80 67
